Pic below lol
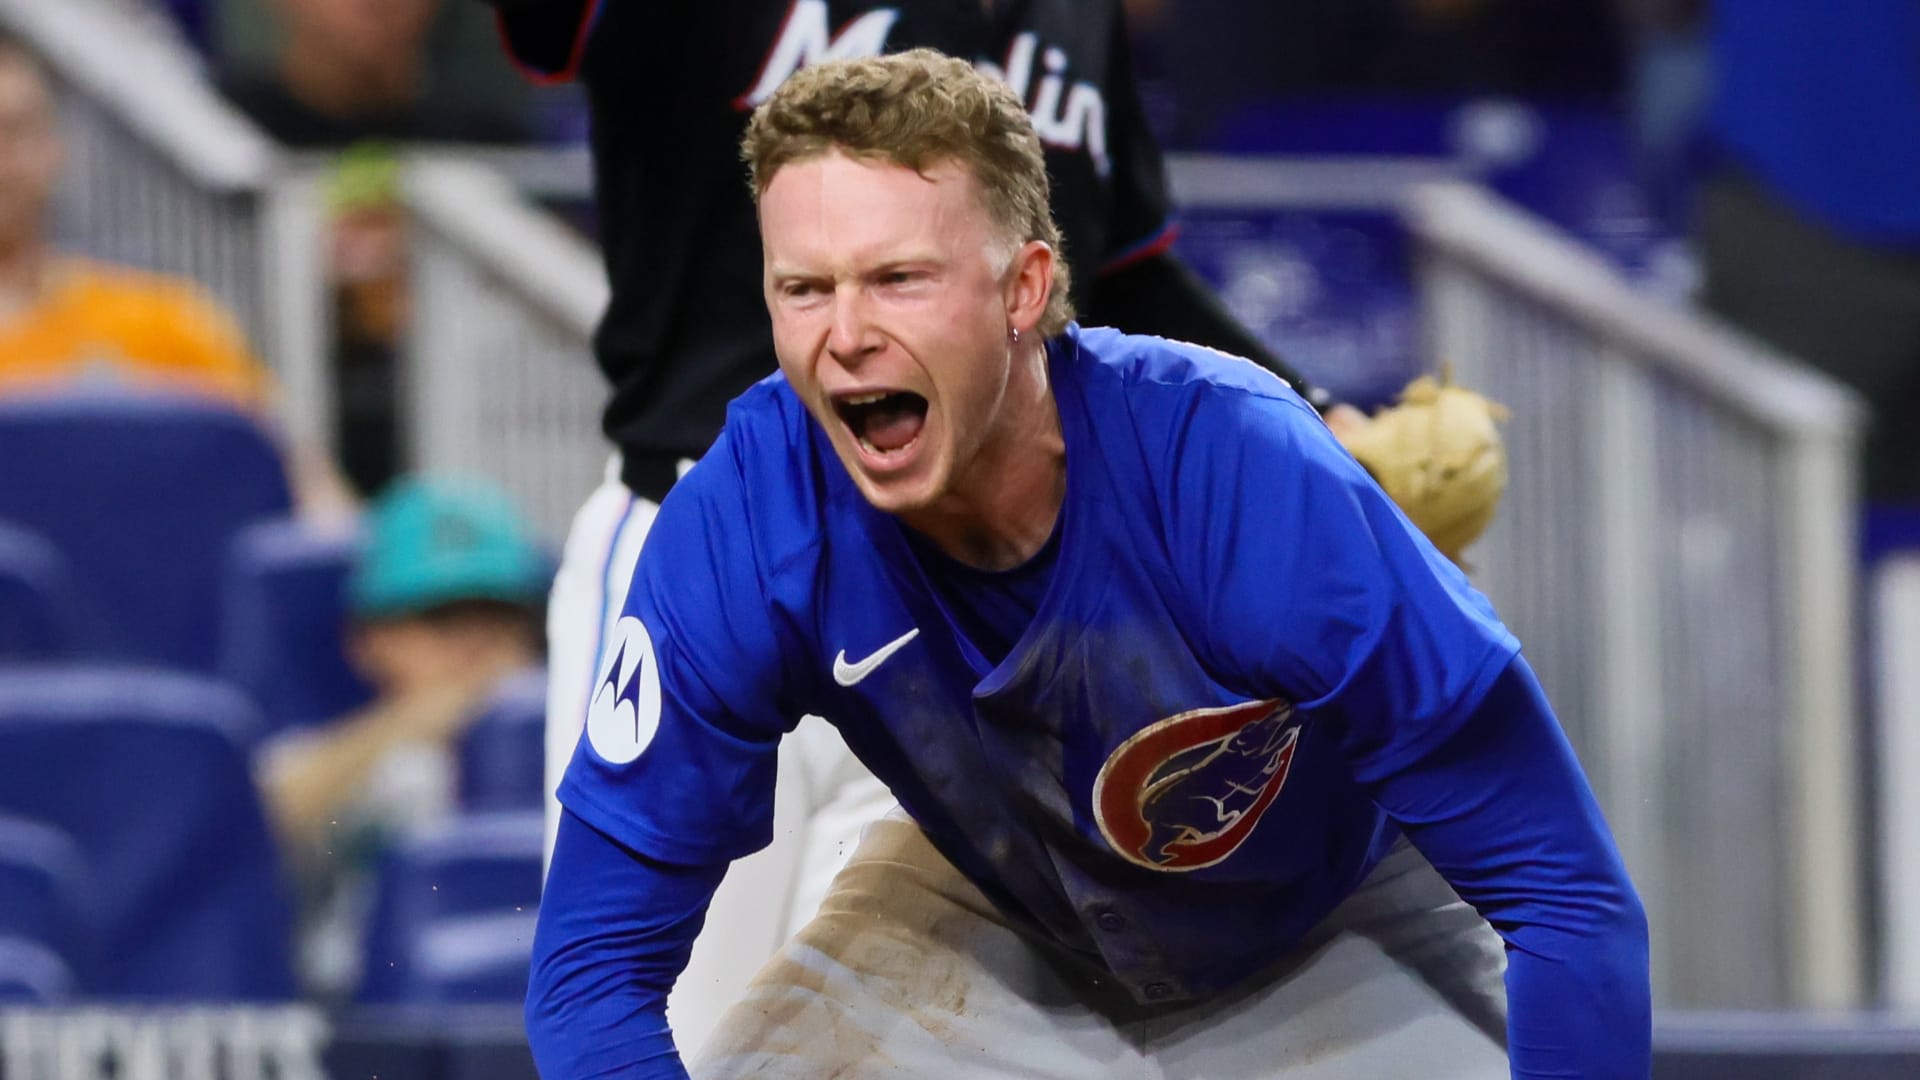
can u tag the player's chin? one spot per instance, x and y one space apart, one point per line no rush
896 496
894 485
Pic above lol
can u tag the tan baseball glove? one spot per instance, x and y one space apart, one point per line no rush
1437 453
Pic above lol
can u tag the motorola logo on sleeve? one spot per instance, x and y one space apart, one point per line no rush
626 697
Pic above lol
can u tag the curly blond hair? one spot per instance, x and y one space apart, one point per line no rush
917 109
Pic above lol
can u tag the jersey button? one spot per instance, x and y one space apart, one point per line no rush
1111 921
1158 991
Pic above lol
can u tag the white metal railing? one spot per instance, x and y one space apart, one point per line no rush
163 174
1893 597
499 377
1677 552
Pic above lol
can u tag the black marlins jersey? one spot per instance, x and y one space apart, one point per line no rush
671 85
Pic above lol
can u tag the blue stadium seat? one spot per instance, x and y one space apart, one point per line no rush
45 888
502 755
35 596
454 913
32 974
282 617
148 772
46 896
143 496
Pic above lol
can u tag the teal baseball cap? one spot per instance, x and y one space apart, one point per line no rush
427 542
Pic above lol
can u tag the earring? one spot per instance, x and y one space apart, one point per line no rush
1016 335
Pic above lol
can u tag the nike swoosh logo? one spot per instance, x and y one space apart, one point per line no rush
849 674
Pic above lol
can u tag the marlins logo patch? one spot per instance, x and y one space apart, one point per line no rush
626 697
1187 791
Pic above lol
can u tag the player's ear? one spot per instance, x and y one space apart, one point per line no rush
1029 283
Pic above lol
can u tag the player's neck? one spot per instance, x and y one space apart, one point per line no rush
1003 509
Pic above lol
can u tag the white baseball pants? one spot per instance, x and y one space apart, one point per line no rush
908 971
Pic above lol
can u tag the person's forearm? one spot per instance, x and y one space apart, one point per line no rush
306 783
1503 811
1161 295
310 779
615 931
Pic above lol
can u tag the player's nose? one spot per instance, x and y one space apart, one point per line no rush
851 335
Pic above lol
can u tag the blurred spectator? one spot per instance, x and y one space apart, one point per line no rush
349 70
1669 89
367 267
1217 56
1810 224
355 75
446 599
63 319
67 322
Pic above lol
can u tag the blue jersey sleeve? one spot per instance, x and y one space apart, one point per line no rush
1503 811
615 931
1316 588
677 760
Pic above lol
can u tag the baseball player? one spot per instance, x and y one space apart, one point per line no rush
1190 728
671 87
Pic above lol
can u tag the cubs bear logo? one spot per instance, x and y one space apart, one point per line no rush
1187 791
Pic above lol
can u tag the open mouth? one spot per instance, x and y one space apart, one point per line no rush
884 423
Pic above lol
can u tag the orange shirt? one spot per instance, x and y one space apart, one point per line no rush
97 322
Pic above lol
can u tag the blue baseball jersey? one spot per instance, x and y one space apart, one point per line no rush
1167 773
